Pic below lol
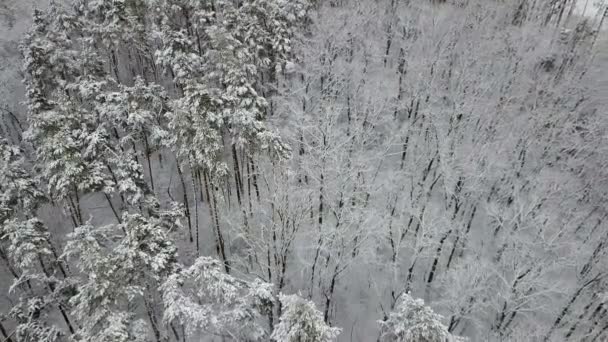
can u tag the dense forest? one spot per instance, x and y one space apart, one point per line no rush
303 170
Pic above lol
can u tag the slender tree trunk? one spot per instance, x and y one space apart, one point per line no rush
58 262
332 287
112 207
51 286
194 192
596 317
72 215
211 214
320 241
6 337
152 318
75 205
437 256
199 180
186 203
114 62
66 319
269 270
248 170
410 271
4 257
122 198
148 153
237 174
220 237
175 333
255 180
566 308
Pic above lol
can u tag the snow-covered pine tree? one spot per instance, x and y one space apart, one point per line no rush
239 49
77 108
268 27
66 134
118 31
215 63
27 250
121 266
411 321
139 113
210 51
302 322
31 315
19 194
25 237
206 299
